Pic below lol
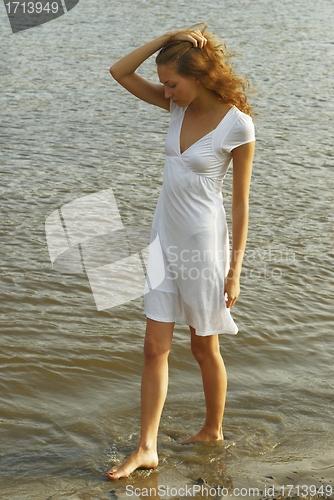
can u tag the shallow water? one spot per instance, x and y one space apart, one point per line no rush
70 374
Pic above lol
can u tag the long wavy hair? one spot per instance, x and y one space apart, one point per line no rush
210 65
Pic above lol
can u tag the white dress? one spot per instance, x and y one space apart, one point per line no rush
190 226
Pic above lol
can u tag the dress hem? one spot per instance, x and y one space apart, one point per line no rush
161 320
200 334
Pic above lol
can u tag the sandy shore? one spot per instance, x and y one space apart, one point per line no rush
289 479
261 481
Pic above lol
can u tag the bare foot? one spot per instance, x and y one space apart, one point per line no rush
204 436
138 459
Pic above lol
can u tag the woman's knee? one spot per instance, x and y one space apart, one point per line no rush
198 353
204 348
152 349
158 339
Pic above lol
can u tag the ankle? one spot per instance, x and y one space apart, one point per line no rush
213 433
147 446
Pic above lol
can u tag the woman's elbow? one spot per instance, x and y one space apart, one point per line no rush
112 72
115 73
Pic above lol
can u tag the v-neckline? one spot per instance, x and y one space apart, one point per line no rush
201 138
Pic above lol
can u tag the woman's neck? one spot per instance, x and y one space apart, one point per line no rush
207 103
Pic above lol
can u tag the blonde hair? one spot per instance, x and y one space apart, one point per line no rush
210 65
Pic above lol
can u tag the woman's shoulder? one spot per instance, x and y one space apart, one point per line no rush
240 130
242 122
242 117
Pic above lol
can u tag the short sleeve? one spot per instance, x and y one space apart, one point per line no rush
240 133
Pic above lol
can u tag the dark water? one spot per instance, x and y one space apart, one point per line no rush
70 374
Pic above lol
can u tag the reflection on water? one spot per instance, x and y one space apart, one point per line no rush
70 375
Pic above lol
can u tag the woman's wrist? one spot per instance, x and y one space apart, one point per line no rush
167 38
234 273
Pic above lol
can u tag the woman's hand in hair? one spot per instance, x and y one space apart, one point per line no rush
196 37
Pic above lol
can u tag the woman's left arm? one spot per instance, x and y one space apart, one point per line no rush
242 171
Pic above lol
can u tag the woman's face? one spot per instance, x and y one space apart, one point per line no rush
180 89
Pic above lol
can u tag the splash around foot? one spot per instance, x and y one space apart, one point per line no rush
138 460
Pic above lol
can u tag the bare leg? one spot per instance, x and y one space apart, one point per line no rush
158 341
207 353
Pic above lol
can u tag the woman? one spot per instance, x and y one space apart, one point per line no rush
210 126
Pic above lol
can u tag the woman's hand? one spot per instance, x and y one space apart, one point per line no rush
232 288
196 37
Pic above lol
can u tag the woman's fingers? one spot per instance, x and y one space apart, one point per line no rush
231 290
230 301
195 37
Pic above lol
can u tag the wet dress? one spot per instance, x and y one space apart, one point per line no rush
188 257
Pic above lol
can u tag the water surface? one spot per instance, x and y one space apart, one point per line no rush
70 375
